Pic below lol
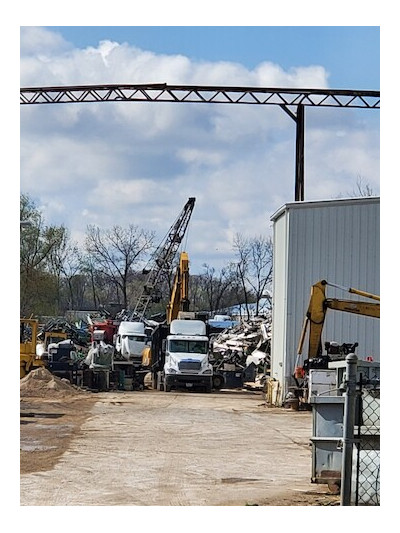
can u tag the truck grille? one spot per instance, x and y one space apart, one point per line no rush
189 365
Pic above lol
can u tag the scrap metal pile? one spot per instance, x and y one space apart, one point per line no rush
78 334
248 342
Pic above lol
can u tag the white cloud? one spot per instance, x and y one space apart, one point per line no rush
40 43
271 75
137 163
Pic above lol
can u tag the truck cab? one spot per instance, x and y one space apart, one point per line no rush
186 356
130 341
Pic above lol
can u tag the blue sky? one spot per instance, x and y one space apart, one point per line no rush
124 163
351 54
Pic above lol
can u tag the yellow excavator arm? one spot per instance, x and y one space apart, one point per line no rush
179 300
318 306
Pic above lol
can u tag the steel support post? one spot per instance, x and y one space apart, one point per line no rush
299 184
348 428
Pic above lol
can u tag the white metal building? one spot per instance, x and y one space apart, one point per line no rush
335 240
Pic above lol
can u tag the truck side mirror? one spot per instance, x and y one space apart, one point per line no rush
164 345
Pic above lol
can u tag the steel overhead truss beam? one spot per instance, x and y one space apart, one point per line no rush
200 94
292 101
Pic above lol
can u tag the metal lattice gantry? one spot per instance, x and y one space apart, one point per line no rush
162 92
292 100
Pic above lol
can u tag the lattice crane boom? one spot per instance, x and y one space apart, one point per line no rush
162 259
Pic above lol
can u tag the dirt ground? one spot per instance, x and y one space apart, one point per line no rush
148 447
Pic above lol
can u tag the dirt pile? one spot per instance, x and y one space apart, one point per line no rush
42 383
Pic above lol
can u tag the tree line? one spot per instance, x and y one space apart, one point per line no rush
58 275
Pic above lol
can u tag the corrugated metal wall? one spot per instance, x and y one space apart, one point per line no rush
279 308
335 240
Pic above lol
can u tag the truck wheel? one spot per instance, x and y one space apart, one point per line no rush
167 388
217 381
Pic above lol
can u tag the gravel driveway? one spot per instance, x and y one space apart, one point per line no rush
153 448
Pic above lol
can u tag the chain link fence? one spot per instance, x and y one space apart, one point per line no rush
366 455
361 438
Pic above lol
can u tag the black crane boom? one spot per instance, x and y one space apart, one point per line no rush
162 259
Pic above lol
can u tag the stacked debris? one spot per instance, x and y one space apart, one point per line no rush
79 335
250 341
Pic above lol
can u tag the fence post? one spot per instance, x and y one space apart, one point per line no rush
348 428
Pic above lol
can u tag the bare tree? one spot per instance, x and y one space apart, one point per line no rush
90 273
254 267
66 264
115 252
242 250
215 284
361 189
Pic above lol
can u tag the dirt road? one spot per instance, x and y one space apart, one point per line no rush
152 448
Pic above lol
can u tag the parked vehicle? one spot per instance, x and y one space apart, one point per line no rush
129 343
186 356
29 359
64 361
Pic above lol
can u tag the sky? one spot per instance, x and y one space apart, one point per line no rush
137 163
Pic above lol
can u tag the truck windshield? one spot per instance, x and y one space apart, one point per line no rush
184 346
134 337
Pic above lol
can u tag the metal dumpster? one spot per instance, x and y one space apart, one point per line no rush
327 426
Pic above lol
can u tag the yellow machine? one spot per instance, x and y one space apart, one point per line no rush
314 323
28 336
318 306
53 337
179 300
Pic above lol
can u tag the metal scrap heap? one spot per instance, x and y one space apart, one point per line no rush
79 335
250 339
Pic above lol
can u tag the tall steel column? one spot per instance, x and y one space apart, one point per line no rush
299 183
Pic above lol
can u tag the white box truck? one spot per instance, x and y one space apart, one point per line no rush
186 356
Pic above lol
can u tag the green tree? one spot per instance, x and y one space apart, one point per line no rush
38 241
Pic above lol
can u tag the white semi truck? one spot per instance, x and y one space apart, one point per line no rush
129 343
186 356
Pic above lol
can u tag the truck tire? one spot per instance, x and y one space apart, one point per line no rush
218 381
167 388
